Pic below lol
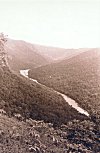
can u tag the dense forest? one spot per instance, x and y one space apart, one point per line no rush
19 95
77 77
26 107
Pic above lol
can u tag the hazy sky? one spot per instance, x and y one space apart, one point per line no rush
62 23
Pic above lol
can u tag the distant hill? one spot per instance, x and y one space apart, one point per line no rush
55 53
77 77
23 55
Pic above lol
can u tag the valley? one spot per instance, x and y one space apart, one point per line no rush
24 55
70 101
77 77
49 76
36 113
23 96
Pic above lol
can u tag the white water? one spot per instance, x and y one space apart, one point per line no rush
67 99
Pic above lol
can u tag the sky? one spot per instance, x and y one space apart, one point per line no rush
59 23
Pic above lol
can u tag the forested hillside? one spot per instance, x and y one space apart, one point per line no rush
21 133
77 77
19 95
26 106
18 136
56 53
22 55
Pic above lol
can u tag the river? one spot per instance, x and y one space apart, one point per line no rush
70 101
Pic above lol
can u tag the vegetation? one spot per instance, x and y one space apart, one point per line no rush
78 77
23 100
19 95
18 136
39 137
57 54
2 49
23 55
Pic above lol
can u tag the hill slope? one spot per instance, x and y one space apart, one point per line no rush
22 55
17 136
77 77
20 95
20 133
55 53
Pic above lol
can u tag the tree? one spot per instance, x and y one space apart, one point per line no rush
3 39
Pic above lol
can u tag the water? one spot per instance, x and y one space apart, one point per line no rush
70 101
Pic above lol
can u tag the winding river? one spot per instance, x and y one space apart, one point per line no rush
67 99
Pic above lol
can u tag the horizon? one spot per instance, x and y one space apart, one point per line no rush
63 24
45 45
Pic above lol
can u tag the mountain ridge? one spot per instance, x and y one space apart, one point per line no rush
21 55
24 55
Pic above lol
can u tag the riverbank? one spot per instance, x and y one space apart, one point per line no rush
70 101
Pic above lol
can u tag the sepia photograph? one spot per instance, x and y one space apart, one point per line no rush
49 76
